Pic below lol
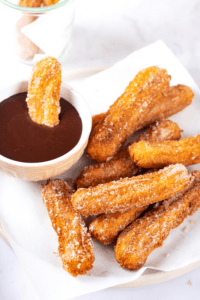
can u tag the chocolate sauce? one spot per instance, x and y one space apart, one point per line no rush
23 140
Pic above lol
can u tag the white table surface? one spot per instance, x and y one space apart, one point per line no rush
104 32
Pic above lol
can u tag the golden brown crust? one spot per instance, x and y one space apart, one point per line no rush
121 165
75 244
127 113
30 3
105 228
165 130
173 101
132 192
37 3
50 2
144 235
158 155
96 119
43 97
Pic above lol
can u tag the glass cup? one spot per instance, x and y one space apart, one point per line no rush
40 32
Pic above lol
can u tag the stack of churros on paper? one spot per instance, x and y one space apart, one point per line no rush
138 192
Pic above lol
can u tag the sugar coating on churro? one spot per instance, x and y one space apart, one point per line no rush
121 165
160 154
127 113
105 228
96 119
43 98
165 130
75 244
132 192
118 167
138 240
175 99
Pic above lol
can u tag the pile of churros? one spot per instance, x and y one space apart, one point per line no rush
137 193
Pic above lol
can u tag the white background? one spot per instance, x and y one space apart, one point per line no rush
104 32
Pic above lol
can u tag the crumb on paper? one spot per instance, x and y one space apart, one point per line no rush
192 222
185 229
56 253
190 283
106 48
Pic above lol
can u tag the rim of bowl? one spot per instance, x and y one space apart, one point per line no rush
84 135
35 9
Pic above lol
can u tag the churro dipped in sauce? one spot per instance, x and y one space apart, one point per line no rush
23 140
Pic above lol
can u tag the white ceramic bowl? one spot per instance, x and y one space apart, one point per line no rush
51 168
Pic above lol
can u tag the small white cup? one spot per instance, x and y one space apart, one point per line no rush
51 168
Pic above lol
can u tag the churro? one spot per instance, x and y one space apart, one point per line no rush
75 244
96 119
121 165
105 228
127 113
173 101
50 2
161 154
43 98
144 235
30 3
132 192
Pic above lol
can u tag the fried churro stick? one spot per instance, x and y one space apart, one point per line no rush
75 244
121 165
175 99
43 97
30 3
105 228
96 119
161 154
132 192
144 235
127 113
50 2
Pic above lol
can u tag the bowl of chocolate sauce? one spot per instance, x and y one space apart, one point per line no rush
34 152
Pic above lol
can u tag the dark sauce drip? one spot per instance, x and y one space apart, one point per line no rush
23 140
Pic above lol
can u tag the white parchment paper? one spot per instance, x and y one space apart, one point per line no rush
25 220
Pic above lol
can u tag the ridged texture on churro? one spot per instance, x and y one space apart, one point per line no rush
173 101
105 228
132 192
161 154
121 165
127 113
144 235
75 244
43 96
